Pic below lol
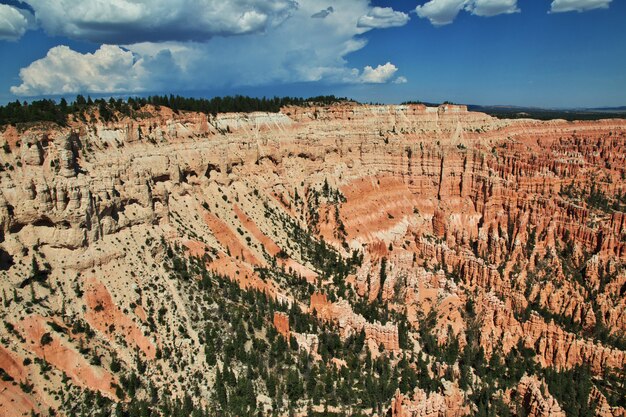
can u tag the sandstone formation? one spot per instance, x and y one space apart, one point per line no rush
535 401
459 221
448 404
350 323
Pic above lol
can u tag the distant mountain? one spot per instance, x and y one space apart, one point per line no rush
609 109
508 111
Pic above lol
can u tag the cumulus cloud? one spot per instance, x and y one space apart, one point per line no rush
490 8
440 12
559 6
400 80
14 22
300 49
132 21
62 70
443 12
380 74
383 17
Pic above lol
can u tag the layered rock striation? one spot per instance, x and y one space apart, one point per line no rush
458 220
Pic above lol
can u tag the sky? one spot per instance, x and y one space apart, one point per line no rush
544 53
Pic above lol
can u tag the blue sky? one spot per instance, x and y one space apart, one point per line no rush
548 53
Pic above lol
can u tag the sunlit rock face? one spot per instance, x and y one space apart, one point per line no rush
445 208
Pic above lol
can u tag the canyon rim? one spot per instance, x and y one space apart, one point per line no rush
324 259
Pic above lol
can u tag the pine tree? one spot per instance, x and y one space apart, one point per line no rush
383 277
220 390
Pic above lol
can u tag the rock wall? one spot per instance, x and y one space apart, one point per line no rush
535 402
350 323
515 215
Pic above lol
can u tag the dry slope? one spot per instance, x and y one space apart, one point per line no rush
413 260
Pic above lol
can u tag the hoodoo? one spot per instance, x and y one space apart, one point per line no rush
344 259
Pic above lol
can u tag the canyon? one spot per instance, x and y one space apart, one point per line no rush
444 243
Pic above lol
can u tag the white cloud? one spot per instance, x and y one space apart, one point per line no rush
490 8
400 80
301 49
380 74
383 17
443 12
14 22
578 5
131 21
440 12
109 69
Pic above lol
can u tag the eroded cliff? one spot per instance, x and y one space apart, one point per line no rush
444 244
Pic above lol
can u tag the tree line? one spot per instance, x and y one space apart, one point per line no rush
48 110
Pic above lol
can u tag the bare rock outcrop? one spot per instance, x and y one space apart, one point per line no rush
420 404
350 323
536 400
444 211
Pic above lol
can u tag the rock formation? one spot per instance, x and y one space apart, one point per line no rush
458 228
535 402
349 323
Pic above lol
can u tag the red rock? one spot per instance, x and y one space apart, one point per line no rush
65 358
535 402
281 322
449 197
102 313
350 323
